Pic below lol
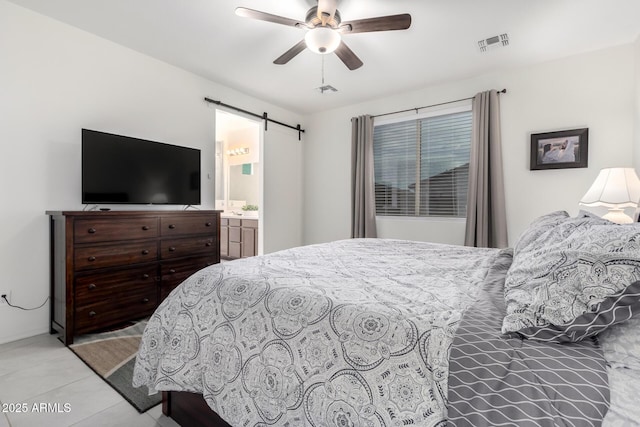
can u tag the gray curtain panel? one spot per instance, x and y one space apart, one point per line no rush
486 213
363 197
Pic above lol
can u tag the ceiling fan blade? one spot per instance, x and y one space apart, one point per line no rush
347 56
264 16
291 53
381 23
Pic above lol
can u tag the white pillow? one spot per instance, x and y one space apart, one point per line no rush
537 228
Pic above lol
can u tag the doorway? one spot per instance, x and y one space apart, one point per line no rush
238 185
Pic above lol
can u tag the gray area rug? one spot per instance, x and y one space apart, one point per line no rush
112 356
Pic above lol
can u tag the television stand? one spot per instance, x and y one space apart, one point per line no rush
111 267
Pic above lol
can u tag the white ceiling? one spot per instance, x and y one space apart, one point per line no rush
208 39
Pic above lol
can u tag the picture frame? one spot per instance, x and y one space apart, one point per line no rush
560 150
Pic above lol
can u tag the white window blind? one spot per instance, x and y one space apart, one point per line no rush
422 166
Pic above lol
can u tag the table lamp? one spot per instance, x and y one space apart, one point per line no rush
616 189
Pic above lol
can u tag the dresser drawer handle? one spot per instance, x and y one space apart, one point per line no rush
145 300
145 252
208 244
91 258
92 313
145 276
92 286
91 230
145 227
172 226
172 271
208 224
172 248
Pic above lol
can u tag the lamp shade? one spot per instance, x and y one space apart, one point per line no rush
322 40
615 188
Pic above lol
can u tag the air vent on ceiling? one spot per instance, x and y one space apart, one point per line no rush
493 42
326 88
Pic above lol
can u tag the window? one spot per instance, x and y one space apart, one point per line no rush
422 165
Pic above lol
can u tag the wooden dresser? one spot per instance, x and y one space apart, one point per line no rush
111 267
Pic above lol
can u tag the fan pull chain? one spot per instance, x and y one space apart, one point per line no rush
322 69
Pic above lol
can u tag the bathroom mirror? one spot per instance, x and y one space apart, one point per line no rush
244 183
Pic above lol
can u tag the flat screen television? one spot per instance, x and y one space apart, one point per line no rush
118 169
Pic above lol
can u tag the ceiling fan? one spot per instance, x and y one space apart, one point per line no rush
325 29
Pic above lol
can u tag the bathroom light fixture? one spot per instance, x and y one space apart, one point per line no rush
238 151
614 188
322 40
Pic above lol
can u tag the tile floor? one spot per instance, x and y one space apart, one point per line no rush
41 370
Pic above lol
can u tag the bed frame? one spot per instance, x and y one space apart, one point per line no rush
190 410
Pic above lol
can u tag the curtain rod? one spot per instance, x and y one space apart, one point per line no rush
264 116
428 106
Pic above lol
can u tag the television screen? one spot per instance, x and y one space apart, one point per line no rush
123 170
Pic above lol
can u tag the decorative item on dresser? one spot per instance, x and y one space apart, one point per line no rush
238 238
111 267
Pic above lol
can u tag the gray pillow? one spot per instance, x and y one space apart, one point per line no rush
568 270
538 227
617 308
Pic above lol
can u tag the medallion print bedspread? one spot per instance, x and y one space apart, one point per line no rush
354 333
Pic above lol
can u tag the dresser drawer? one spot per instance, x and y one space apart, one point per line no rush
175 272
114 255
92 230
184 267
94 288
190 246
192 224
127 306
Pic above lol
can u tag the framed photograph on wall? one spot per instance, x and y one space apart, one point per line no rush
560 150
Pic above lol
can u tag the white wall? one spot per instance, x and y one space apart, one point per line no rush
55 80
636 146
594 90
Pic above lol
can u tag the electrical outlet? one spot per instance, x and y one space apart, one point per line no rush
8 294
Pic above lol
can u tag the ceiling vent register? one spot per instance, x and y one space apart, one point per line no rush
494 42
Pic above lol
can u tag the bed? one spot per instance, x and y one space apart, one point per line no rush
382 332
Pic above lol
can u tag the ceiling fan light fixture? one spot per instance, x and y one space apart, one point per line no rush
325 28
322 40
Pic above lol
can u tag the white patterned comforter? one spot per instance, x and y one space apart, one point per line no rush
354 333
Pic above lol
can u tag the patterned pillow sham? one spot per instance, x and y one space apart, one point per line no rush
621 344
538 227
569 270
614 309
